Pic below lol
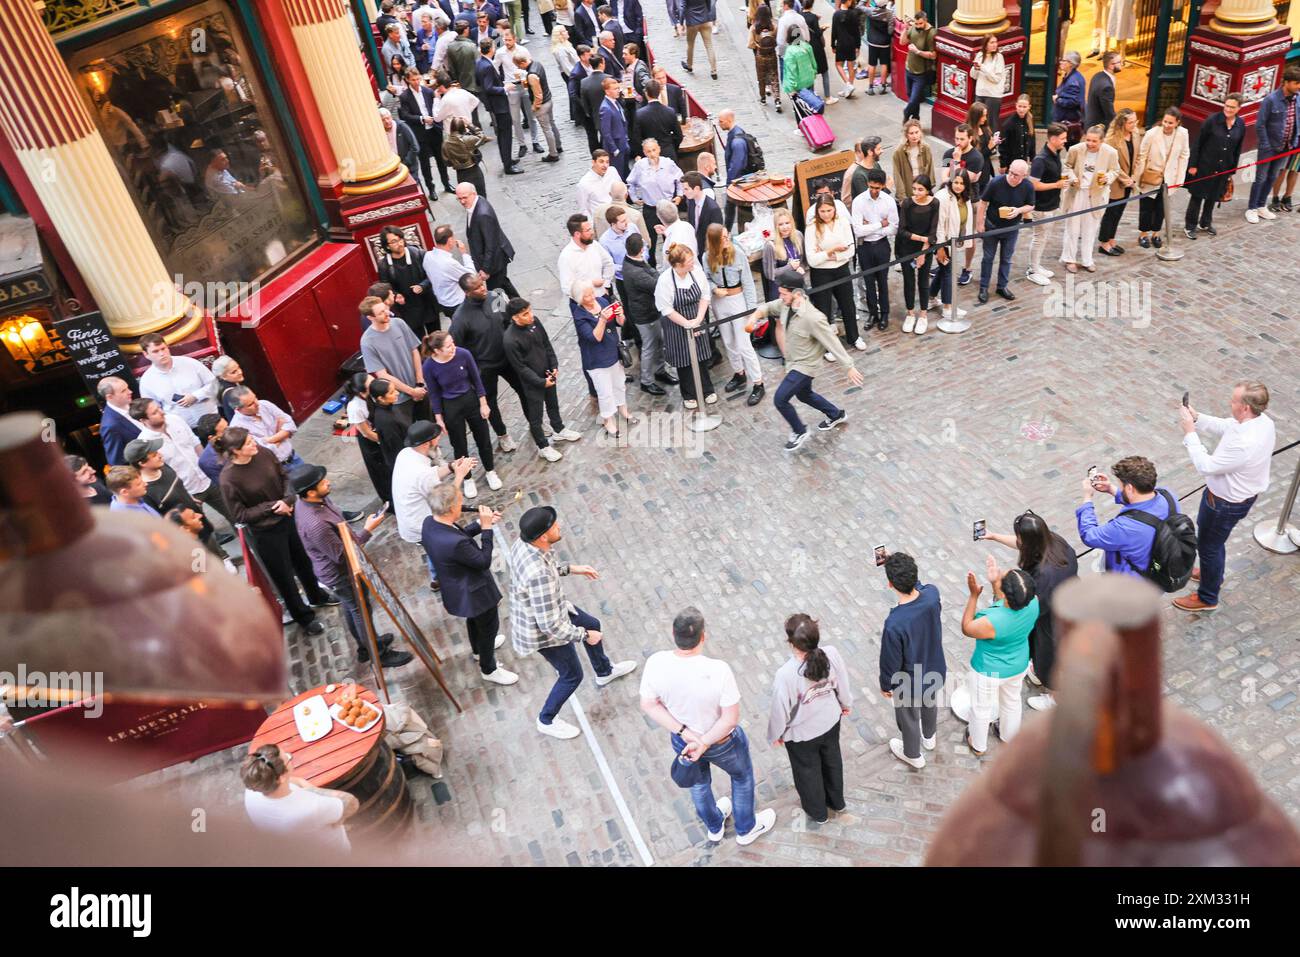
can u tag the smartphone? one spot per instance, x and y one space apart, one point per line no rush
1186 396
881 554
1092 475
980 529
384 510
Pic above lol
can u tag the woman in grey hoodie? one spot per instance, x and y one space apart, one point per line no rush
810 695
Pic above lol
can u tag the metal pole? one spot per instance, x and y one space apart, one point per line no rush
1168 253
701 422
955 324
1282 538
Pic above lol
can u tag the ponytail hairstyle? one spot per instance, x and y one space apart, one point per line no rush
1017 588
793 622
262 770
816 666
231 441
358 385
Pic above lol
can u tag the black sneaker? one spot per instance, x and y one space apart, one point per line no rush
1189 233
395 659
363 653
1275 205
825 425
796 439
1286 203
686 68
1210 229
353 516
329 600
964 278
314 627
735 383
756 395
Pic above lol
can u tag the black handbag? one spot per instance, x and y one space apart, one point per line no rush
625 354
687 774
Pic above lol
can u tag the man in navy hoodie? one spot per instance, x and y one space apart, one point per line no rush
912 666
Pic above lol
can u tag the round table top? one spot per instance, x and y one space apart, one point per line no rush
696 134
326 759
764 193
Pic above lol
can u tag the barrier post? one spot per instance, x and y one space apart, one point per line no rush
701 421
953 324
1168 252
1283 539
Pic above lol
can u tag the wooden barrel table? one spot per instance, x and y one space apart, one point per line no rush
764 192
359 763
697 136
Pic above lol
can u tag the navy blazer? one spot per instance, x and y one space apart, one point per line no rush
464 566
491 87
613 128
708 214
115 430
489 246
408 111
584 24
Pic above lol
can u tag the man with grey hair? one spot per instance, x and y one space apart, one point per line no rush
271 427
1235 475
1067 101
116 427
653 177
464 569
674 229
403 141
1010 199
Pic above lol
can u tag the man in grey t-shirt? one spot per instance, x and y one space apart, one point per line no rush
391 351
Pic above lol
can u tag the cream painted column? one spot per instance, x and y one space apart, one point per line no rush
327 43
1244 17
47 123
977 17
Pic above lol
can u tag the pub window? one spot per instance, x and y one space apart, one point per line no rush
192 131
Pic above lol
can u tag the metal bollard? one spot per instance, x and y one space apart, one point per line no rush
1169 253
701 421
1282 538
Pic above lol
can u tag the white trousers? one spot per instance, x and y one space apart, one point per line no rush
611 389
1040 237
993 698
740 350
1080 239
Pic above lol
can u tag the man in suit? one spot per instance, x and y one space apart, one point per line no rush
612 54
609 22
573 80
489 247
493 94
613 128
407 144
591 92
702 210
415 109
464 570
671 94
116 427
586 24
1101 91
636 68
658 122
462 56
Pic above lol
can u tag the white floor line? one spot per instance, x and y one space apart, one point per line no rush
646 857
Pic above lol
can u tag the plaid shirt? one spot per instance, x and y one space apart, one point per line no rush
539 613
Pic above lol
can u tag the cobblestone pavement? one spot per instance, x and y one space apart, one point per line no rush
947 429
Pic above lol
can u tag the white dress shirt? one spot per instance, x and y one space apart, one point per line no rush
868 213
186 377
594 190
1239 466
414 476
180 450
455 102
666 288
680 232
444 270
270 420
591 263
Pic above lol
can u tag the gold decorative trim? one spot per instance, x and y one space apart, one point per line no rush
370 186
1257 27
999 23
173 337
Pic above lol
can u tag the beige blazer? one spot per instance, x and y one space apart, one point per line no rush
1125 167
1099 189
1162 158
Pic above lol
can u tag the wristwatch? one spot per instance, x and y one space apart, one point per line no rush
681 729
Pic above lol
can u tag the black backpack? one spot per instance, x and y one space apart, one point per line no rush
1173 551
754 152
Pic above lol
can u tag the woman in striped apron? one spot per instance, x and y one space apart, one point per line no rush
682 297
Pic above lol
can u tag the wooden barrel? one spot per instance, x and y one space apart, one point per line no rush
697 137
380 786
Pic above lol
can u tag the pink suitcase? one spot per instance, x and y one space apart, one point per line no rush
817 132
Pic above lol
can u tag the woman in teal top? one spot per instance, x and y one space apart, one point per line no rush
1001 656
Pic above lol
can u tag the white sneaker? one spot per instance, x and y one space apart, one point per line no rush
550 454
930 742
494 481
690 403
909 323
506 444
830 357
1266 213
1044 272
860 345
621 668
711 399
724 805
1037 278
1252 215
764 821
469 489
830 101
558 729
1042 702
568 435
501 640
1032 676
896 745
501 677
922 324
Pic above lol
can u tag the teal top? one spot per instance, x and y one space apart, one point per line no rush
1007 654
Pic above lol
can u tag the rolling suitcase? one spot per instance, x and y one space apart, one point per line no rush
816 131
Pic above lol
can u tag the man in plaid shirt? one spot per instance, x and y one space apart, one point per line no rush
542 620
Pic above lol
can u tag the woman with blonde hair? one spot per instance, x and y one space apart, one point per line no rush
731 283
831 250
783 249
1090 168
911 158
1017 135
1162 159
566 58
1125 139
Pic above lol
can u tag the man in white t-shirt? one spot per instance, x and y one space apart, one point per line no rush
415 473
278 801
696 699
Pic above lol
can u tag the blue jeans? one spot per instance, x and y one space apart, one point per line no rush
428 563
1214 524
918 89
732 756
1007 243
564 659
293 462
796 385
1265 176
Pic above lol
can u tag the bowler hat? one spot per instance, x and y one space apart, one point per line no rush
536 522
421 432
305 478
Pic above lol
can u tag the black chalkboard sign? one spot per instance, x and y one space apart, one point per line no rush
94 350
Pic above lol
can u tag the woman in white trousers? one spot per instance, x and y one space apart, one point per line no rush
731 282
1090 167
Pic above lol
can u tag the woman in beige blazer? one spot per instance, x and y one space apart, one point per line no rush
1162 159
1126 139
1090 168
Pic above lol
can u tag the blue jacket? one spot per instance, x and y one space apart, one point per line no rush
1069 98
595 355
1126 541
629 11
737 154
115 430
911 648
492 90
1270 122
697 12
613 128
464 567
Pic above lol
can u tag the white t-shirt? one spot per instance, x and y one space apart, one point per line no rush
414 476
694 688
358 411
300 812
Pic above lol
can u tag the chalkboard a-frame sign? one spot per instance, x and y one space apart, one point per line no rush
94 350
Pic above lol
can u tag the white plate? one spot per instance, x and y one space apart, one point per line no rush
336 710
312 718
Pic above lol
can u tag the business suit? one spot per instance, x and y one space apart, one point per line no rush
489 246
677 100
613 134
640 77
585 25
429 137
468 589
658 122
115 431
493 94
613 57
703 215
1101 101
591 93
